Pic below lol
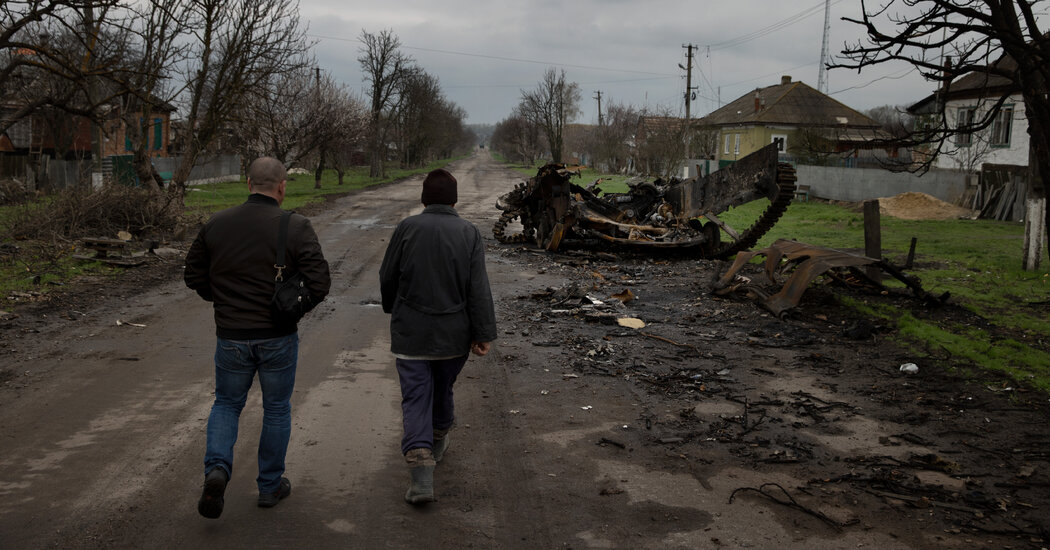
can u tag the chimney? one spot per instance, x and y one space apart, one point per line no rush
758 102
786 79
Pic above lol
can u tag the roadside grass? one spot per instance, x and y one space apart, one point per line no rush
299 191
30 269
33 271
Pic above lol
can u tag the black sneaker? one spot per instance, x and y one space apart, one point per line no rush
210 504
269 500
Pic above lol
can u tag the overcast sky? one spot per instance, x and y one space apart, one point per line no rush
485 52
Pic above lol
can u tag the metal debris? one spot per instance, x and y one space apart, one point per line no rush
660 214
807 262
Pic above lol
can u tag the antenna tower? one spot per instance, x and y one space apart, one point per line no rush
822 76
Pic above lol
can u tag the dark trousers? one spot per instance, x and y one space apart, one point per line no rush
426 398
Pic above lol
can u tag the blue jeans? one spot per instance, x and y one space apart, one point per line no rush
236 363
426 398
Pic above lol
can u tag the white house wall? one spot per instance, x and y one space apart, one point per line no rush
958 158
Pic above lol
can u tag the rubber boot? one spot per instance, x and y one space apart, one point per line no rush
421 467
441 443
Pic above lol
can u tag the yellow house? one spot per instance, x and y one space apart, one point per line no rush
791 114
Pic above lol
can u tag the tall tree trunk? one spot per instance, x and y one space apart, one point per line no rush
320 169
145 171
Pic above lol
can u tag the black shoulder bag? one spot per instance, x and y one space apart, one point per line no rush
291 298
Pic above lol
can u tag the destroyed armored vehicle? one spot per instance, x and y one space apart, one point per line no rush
554 212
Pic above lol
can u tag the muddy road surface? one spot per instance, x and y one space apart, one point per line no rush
713 426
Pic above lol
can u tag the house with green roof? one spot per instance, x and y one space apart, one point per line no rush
800 119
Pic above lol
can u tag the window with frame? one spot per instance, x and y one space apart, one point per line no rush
964 119
781 141
158 134
728 140
1002 125
736 145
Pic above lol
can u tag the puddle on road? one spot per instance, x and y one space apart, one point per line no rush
564 437
341 526
364 223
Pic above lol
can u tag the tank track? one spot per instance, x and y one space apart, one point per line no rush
499 228
786 193
514 207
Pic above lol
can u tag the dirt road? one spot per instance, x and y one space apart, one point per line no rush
571 434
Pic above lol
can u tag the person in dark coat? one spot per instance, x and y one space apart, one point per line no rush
435 288
232 264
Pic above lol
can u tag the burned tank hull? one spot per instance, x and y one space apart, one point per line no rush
679 214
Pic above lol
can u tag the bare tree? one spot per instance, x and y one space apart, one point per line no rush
660 139
895 120
154 43
518 139
385 68
615 140
50 53
294 114
341 123
52 57
553 104
238 47
425 125
1001 40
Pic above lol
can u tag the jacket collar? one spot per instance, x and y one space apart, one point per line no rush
259 198
440 209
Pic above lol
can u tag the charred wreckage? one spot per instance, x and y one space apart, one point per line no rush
661 214
554 211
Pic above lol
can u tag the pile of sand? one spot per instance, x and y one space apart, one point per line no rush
920 206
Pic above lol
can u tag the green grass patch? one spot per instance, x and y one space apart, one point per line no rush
974 350
300 188
35 271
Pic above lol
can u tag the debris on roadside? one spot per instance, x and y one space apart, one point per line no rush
125 323
802 264
110 251
630 322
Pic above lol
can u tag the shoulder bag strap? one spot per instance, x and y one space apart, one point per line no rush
282 238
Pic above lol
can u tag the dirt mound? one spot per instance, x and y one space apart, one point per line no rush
913 205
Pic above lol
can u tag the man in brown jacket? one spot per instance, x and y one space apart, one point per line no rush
231 264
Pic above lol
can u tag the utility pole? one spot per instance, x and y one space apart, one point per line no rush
598 96
822 75
320 150
688 94
91 37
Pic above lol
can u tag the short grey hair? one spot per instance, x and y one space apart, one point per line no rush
266 173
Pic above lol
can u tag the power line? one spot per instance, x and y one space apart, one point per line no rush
791 20
780 72
531 84
500 58
869 83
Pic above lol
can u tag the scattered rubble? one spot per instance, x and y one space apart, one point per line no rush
814 404
806 263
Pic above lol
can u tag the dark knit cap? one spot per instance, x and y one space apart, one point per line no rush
439 187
